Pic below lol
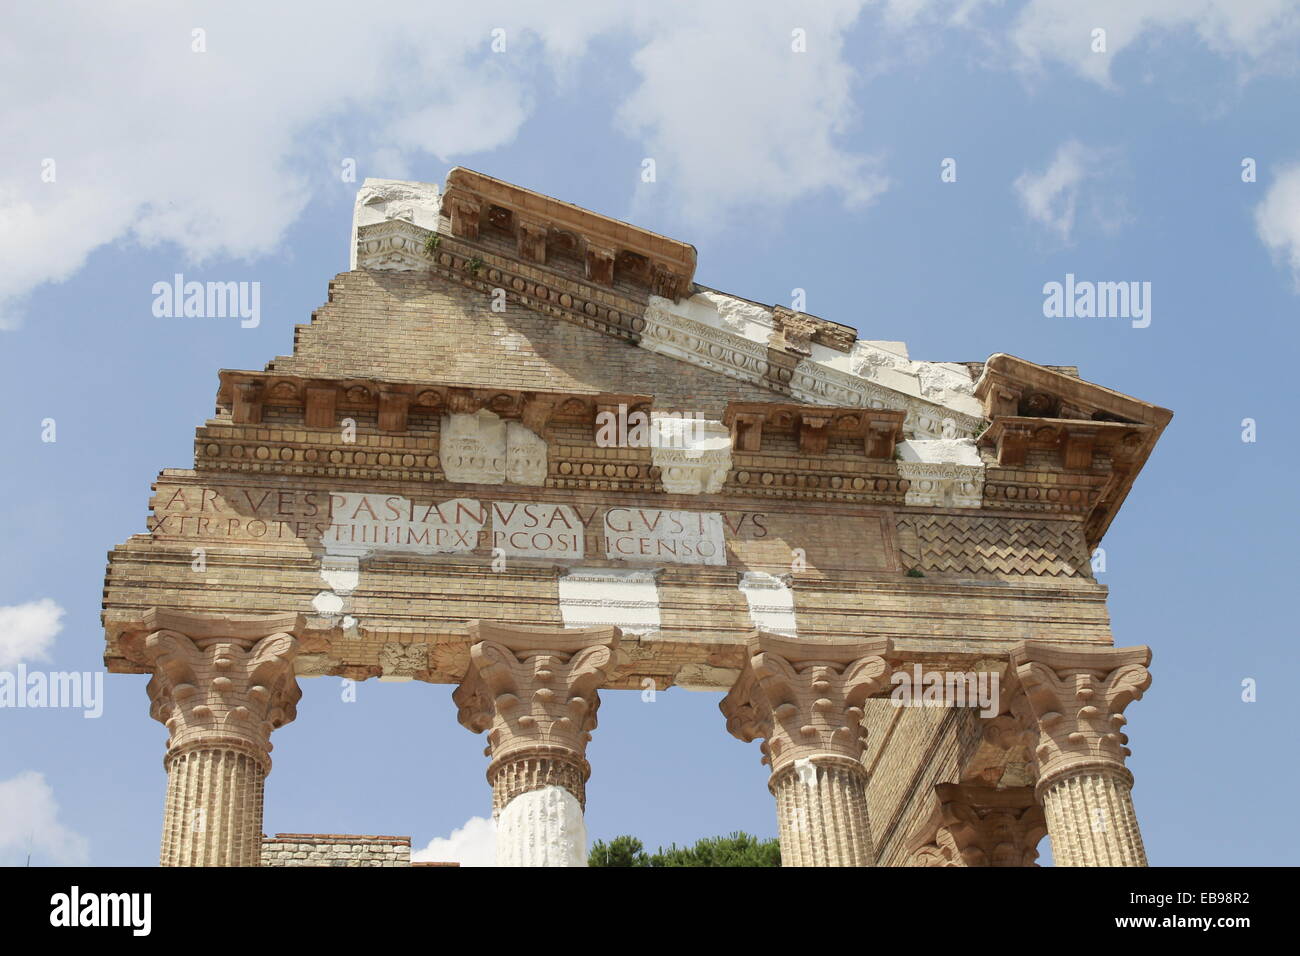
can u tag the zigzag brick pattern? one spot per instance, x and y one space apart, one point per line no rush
958 545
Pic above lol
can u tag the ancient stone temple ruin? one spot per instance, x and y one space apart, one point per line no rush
522 451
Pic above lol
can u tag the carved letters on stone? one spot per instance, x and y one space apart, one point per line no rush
482 449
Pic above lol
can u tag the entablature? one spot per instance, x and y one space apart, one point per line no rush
1035 407
545 229
877 429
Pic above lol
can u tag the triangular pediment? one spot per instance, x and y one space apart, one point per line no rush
568 264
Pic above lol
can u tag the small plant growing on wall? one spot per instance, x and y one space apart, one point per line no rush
431 244
915 573
474 265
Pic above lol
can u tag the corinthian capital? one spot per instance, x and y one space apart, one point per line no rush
982 826
535 690
1078 697
226 683
805 699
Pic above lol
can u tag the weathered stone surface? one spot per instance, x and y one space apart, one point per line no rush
482 449
428 457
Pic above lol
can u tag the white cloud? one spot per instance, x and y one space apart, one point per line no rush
220 151
28 630
953 12
29 824
1263 32
734 117
1277 219
474 844
1057 196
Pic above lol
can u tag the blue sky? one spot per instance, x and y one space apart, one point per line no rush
817 170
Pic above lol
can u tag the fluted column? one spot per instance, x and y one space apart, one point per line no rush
220 687
804 700
1078 697
536 693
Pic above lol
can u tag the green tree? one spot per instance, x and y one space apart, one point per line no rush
620 851
736 849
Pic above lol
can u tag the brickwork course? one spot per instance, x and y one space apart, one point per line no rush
335 849
426 489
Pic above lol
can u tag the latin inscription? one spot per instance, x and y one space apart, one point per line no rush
352 524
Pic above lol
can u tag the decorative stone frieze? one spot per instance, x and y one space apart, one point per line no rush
525 456
943 484
380 201
804 699
942 473
483 449
402 662
394 246
809 381
693 456
1078 697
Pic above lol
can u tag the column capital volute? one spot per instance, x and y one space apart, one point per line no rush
804 698
200 627
223 682
1078 696
535 690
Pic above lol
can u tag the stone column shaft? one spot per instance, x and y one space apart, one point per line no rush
213 815
804 699
821 810
1091 820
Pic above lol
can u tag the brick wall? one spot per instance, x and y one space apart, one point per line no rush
335 849
910 751
414 327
